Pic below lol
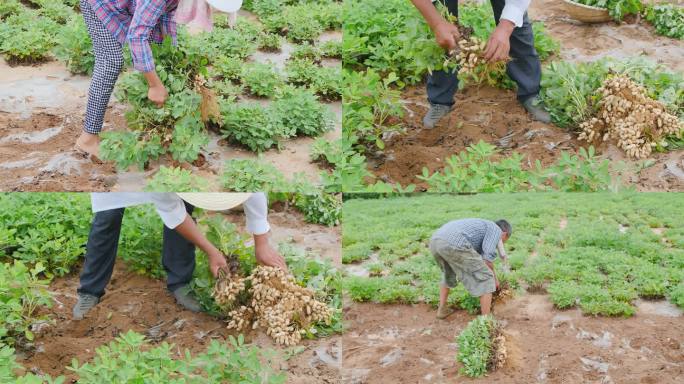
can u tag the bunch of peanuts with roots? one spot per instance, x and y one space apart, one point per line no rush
628 115
286 310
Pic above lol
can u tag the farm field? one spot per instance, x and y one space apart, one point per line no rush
46 339
593 291
250 69
393 52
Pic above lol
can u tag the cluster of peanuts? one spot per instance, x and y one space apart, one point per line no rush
499 350
286 310
628 115
469 54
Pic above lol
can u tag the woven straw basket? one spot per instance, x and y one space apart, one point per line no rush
586 13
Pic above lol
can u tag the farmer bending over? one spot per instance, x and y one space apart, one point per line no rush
181 235
512 37
112 24
465 251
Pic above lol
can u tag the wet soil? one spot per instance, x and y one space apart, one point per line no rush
135 302
490 114
407 344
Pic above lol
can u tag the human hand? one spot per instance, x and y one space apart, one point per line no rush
158 95
266 255
446 35
499 44
216 263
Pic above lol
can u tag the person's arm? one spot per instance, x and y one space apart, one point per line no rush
172 211
502 250
256 211
146 17
446 33
498 46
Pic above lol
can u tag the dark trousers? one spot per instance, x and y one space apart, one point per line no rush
178 256
524 67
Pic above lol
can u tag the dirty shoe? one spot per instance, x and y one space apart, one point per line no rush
84 304
535 107
186 299
435 114
444 312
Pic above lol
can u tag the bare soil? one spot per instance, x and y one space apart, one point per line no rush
490 114
135 302
407 344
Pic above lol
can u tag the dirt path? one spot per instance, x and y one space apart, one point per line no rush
144 305
41 112
489 114
407 344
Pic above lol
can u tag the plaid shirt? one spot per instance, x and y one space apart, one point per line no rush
482 235
136 22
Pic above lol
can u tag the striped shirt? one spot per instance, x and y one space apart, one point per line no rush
482 235
136 22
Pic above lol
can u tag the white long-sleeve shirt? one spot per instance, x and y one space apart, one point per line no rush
514 11
171 209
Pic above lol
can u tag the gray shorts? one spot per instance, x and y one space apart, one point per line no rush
464 265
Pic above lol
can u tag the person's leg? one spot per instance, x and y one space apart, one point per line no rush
486 304
524 67
103 244
443 295
441 85
109 62
178 258
440 251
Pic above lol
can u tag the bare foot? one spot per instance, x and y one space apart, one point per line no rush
89 143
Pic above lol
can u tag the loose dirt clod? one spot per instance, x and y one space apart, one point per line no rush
276 303
628 115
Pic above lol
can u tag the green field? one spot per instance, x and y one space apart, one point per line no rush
597 251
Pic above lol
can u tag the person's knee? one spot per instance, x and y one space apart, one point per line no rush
108 218
113 65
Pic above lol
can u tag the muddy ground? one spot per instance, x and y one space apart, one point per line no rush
490 114
41 115
407 344
144 305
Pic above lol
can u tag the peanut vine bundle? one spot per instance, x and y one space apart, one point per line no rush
274 301
628 115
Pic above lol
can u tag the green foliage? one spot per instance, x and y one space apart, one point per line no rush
140 244
261 79
9 7
300 111
270 42
668 19
617 9
253 126
126 148
176 179
130 358
324 81
75 47
188 138
475 346
46 228
251 176
26 37
479 169
332 49
22 293
590 263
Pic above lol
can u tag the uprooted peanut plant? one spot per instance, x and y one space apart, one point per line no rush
628 115
273 300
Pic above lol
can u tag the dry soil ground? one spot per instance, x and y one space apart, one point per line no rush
489 114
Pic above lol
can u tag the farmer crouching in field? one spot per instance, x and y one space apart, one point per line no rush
112 24
465 251
181 235
512 37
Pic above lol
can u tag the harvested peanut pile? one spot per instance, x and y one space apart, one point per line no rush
628 115
276 302
499 352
